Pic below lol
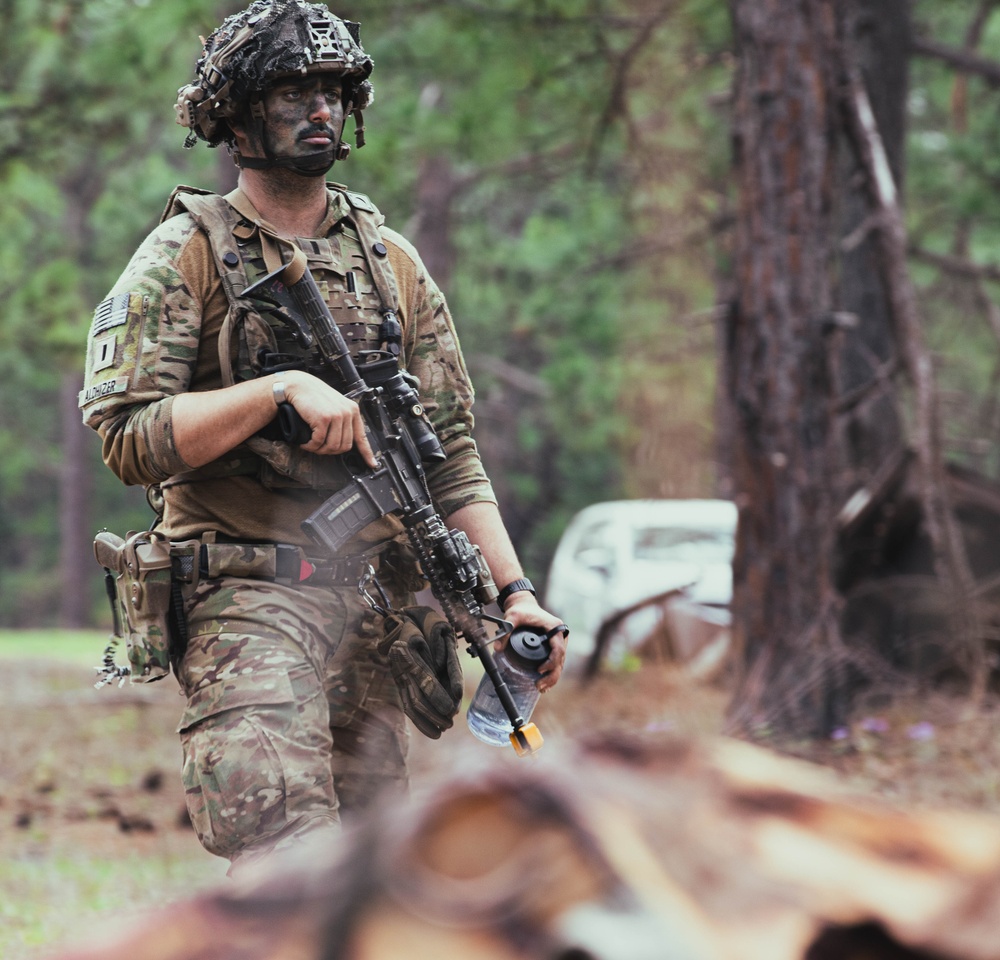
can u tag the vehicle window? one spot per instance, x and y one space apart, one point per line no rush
683 544
593 537
593 550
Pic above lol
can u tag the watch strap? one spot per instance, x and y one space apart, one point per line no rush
515 586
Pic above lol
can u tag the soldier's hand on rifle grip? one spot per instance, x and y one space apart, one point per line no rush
335 420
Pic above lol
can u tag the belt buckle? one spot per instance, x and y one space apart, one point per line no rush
290 565
336 571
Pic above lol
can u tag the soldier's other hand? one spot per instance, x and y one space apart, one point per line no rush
523 610
335 420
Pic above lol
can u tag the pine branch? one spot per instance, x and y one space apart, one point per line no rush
957 266
962 60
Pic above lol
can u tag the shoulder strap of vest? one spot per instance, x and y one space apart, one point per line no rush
175 204
217 218
270 241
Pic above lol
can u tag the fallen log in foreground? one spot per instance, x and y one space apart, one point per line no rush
679 851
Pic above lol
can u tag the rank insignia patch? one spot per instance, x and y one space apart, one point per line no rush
104 353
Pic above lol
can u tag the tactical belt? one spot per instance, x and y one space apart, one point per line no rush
277 562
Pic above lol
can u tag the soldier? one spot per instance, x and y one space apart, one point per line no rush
292 715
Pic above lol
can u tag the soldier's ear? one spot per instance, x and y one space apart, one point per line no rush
238 121
240 137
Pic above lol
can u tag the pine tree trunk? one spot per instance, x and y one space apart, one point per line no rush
75 550
778 372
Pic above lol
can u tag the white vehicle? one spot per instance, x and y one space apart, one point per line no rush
616 554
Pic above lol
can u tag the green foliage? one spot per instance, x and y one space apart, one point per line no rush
86 91
573 129
67 646
953 209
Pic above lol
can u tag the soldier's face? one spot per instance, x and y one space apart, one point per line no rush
303 115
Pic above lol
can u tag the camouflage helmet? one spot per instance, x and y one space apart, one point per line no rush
270 39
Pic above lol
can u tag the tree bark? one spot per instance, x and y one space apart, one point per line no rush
779 379
81 190
812 360
437 187
870 429
75 557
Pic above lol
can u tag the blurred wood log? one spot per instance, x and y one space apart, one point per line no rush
613 851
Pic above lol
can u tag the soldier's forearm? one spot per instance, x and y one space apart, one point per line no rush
207 425
482 524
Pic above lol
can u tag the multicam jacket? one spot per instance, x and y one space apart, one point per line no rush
168 327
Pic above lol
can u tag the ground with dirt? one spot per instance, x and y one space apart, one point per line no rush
92 818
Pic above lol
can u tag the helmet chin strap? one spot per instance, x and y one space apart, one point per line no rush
311 165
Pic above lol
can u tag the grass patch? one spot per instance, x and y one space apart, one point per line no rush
77 647
66 900
91 803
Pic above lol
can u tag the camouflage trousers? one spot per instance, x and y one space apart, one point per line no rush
292 718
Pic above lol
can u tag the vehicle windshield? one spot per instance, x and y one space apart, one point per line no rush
683 545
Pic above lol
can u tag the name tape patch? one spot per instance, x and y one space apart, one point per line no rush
101 390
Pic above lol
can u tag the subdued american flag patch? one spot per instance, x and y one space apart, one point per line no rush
112 312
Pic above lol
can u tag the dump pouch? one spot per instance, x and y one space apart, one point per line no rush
141 568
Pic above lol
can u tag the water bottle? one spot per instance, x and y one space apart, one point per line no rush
518 664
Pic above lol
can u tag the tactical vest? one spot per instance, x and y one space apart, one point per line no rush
351 268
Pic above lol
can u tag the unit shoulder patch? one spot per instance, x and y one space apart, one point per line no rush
104 353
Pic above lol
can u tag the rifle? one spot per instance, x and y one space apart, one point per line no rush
403 440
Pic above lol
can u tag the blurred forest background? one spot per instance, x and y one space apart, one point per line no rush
565 168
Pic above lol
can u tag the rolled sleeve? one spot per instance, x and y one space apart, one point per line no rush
138 445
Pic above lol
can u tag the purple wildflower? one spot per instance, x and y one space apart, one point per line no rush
921 731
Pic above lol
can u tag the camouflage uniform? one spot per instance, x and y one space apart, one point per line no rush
292 716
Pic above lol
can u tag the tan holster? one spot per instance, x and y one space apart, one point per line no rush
142 571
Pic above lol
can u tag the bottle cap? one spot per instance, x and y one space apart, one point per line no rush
530 644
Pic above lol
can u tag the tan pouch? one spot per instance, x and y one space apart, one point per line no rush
141 567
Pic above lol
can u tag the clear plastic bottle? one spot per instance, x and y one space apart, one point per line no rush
518 664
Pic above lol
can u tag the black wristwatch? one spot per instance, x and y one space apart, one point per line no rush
515 586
